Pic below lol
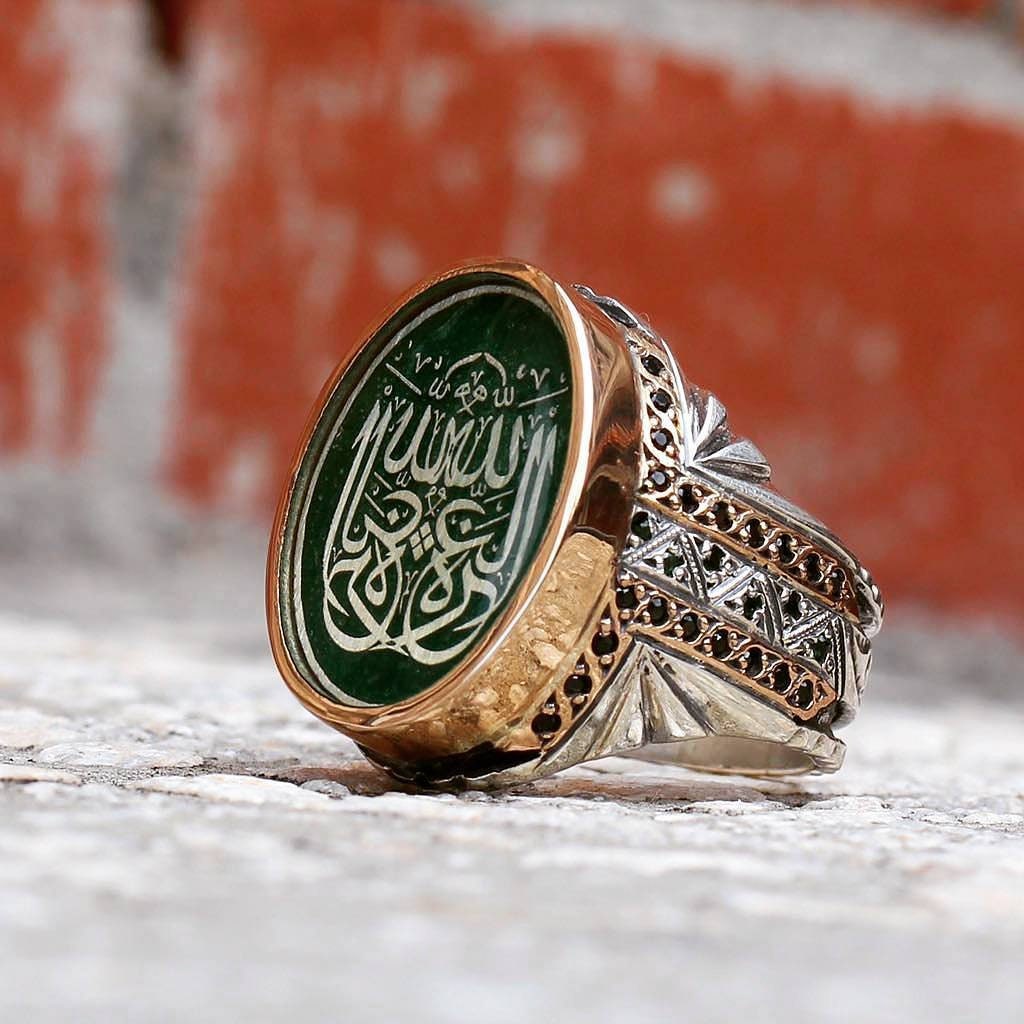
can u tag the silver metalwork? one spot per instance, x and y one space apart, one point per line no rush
661 704
674 607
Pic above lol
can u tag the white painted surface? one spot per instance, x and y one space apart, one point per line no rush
883 56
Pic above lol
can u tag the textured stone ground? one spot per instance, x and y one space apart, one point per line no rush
180 841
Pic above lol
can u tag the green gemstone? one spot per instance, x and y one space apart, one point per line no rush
426 490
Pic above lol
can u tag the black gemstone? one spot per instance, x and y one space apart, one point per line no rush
604 643
657 609
803 695
578 685
836 581
812 569
690 626
786 552
688 498
661 400
781 677
641 526
658 479
723 517
755 662
752 604
819 650
755 533
714 559
653 365
545 724
792 606
672 562
720 643
661 438
625 597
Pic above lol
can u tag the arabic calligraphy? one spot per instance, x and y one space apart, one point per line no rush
438 501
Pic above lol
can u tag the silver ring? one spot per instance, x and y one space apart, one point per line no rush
516 538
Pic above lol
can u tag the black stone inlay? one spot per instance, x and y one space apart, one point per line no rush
836 581
786 552
661 438
546 723
625 597
673 560
781 677
653 365
657 609
641 526
812 569
604 643
792 606
755 662
578 685
723 516
714 559
819 650
720 643
688 498
661 400
658 479
690 626
755 533
752 604
803 695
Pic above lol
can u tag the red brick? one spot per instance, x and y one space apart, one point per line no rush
847 279
54 273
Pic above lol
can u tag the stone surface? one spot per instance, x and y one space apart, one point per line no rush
425 490
203 850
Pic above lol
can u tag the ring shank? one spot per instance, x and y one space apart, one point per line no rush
729 755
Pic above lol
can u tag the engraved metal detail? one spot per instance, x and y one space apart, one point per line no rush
692 568
697 469
726 592
659 698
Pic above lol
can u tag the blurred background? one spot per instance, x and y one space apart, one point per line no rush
204 202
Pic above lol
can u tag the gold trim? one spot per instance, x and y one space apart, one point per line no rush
739 645
510 704
769 554
784 548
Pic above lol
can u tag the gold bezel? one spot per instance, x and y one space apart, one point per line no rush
484 698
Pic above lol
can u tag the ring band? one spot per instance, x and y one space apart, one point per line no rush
516 538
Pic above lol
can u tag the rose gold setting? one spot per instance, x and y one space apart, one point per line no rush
739 647
515 707
728 517
487 702
803 563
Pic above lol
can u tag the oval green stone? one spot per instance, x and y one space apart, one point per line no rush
426 490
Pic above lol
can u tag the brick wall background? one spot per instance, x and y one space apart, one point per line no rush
820 205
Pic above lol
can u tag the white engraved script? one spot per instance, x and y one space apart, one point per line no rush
434 515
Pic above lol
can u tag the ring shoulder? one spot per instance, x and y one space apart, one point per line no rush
731 544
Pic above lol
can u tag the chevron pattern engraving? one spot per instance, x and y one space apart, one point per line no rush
689 565
736 615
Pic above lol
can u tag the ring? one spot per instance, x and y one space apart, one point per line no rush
515 538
